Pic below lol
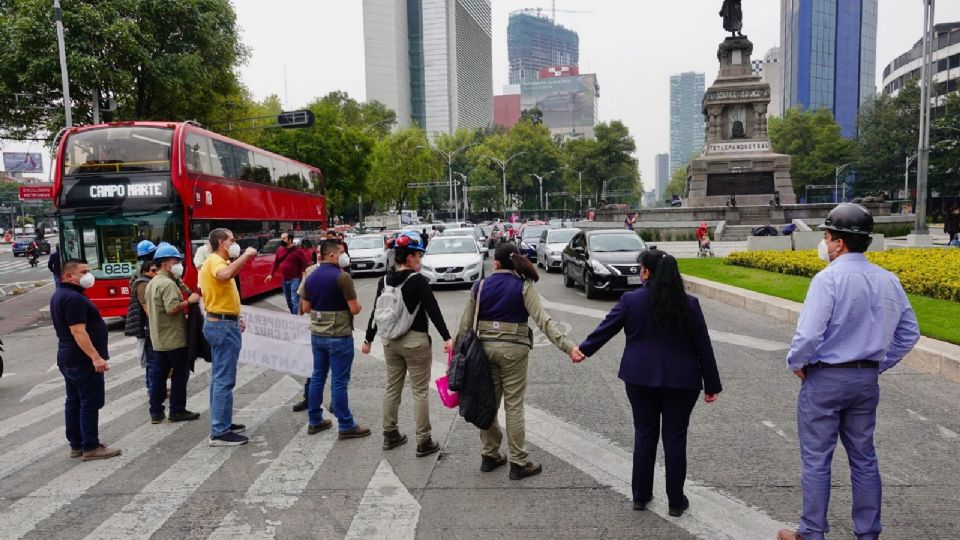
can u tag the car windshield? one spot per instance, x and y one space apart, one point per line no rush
118 149
533 233
365 242
443 246
561 236
457 232
616 242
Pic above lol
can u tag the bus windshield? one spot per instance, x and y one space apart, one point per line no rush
109 243
118 149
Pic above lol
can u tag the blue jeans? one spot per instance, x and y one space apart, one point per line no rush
225 342
160 364
333 354
290 287
85 398
839 402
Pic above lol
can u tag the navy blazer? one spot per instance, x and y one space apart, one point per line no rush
653 357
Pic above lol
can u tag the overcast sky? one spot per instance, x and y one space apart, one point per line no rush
632 45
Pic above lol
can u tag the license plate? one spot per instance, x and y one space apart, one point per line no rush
633 280
449 277
361 266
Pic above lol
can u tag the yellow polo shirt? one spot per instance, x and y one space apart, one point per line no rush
218 296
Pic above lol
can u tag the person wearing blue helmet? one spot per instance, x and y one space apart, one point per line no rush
403 303
166 316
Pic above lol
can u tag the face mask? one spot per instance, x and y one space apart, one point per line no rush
177 270
823 252
86 280
234 250
344 260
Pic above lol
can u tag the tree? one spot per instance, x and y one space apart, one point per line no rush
170 60
678 183
398 159
889 131
815 142
608 157
945 140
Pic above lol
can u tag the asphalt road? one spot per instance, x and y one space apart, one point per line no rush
743 458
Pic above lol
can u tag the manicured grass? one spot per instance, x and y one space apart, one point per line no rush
937 318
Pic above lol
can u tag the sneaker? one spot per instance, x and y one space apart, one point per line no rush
228 439
322 426
183 416
355 433
157 419
490 464
677 511
519 472
76 452
300 406
101 452
427 448
393 439
237 428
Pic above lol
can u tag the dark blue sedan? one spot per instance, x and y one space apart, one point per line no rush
20 247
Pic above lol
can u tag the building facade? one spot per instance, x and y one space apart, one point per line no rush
686 118
773 75
829 55
535 42
662 175
946 63
430 61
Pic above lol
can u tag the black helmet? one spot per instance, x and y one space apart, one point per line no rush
849 218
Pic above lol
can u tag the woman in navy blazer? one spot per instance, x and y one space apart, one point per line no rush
667 360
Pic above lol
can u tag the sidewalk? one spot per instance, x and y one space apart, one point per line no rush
25 309
932 356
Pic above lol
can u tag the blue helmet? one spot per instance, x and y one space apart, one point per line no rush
166 251
410 240
145 247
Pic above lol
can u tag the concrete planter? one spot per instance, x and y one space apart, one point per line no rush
769 243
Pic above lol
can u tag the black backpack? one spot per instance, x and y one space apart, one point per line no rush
469 375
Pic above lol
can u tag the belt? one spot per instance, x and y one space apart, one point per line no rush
853 364
220 316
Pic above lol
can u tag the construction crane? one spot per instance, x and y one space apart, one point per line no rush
553 11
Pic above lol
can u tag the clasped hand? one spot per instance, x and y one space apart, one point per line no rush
577 355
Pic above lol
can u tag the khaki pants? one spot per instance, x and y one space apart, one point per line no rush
508 365
408 353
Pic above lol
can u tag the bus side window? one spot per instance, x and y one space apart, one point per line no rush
221 159
243 161
196 154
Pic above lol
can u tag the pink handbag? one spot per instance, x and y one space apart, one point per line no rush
449 399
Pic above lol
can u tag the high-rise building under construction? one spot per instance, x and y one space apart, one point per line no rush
535 41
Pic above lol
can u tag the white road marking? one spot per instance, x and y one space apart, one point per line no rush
918 416
279 486
776 430
387 510
21 517
57 383
168 491
948 434
53 367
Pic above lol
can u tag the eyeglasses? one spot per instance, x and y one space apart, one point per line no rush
152 271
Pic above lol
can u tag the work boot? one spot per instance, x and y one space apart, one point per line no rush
355 433
427 448
184 416
519 472
300 406
101 452
490 464
324 425
393 439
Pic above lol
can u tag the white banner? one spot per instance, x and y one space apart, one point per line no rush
278 341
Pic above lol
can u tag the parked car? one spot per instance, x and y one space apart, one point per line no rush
452 260
529 237
550 247
477 234
369 254
603 260
20 247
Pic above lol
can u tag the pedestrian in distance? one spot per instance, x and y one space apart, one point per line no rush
856 323
667 360
54 265
222 328
508 299
82 358
167 320
328 295
951 226
292 261
404 301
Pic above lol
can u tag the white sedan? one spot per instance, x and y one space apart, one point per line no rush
475 232
452 260
368 253
550 248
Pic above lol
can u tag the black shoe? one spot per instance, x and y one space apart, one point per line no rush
157 419
641 505
491 464
427 448
237 428
228 439
300 406
183 416
393 439
678 511
519 472
322 426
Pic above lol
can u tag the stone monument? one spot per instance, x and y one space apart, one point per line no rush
737 166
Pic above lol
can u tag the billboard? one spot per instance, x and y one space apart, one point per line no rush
34 193
568 104
23 162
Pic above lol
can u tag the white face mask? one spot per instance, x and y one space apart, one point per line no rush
234 250
823 252
177 269
87 280
344 260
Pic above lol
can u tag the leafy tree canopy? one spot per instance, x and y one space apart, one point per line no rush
815 141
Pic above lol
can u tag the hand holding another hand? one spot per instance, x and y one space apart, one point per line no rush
577 355
448 345
365 348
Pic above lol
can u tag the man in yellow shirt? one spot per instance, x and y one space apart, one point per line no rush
222 328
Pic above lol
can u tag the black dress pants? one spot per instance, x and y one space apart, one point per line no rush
651 405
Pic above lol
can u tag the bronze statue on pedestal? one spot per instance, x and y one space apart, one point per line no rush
732 17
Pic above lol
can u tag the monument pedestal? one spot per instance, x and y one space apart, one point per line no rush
919 240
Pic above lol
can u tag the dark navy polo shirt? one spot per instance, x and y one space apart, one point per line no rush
68 307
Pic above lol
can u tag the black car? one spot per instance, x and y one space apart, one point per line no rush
603 260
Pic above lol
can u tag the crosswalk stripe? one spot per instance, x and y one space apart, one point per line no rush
21 517
278 487
387 509
115 360
168 491
38 448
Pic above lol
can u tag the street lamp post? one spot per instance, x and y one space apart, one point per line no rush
67 106
836 180
466 205
923 146
450 156
540 180
906 176
503 169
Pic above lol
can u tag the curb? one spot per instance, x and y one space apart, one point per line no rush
932 356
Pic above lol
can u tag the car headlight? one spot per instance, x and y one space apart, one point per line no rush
473 267
598 267
427 268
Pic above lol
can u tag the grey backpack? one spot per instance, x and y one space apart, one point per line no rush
390 315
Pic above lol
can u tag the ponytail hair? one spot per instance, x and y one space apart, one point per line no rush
669 307
510 258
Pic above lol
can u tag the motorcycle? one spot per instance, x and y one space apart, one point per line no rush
33 258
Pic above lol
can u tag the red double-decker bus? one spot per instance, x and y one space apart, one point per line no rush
119 183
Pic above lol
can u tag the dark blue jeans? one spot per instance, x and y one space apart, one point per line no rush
290 287
85 397
160 365
334 355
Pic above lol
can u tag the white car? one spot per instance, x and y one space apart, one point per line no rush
550 248
369 254
475 232
452 260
